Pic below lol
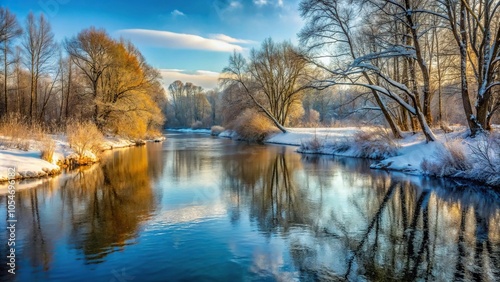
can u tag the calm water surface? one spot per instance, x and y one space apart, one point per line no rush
197 208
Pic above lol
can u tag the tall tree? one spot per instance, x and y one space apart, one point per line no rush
9 30
277 72
89 51
39 47
331 23
476 27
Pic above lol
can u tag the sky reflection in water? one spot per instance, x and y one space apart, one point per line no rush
201 208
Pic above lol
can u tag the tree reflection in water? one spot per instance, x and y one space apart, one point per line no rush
105 205
314 218
394 229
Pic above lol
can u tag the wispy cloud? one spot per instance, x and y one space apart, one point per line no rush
177 13
260 2
174 40
229 39
203 78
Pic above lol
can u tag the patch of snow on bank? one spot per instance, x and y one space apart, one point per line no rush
295 136
228 134
410 157
28 164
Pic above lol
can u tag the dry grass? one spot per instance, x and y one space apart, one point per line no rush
313 145
216 130
197 125
83 137
18 133
47 147
252 126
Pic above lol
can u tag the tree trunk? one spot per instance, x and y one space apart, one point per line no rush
69 90
462 41
422 65
396 132
5 73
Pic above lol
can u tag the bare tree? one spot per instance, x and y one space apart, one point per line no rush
39 47
333 24
89 51
278 73
9 30
475 25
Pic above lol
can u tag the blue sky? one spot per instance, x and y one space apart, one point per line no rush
186 40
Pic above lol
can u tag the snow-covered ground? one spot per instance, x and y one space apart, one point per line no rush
296 136
28 164
412 154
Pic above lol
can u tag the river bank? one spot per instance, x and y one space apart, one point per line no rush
29 163
454 154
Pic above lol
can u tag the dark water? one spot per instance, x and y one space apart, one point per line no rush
196 208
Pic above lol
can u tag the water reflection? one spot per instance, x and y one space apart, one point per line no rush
198 208
99 209
265 178
107 205
348 224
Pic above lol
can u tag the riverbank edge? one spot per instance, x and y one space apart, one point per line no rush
409 155
64 156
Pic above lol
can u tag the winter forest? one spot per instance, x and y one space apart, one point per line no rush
410 65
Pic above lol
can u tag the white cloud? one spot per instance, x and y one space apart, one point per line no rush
235 5
203 78
230 39
280 3
177 13
260 2
174 40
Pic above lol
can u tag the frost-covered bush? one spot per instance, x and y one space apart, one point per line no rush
478 160
216 130
375 144
84 138
486 159
450 160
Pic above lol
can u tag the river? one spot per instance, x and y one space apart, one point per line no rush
200 208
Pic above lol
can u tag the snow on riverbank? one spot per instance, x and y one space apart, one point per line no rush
452 155
29 164
296 136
